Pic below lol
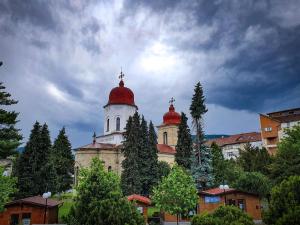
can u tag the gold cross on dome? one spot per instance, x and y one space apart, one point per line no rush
121 75
172 100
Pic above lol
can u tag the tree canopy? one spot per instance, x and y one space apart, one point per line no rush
99 200
287 159
9 134
176 194
7 188
184 147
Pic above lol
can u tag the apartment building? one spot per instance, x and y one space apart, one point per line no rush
274 124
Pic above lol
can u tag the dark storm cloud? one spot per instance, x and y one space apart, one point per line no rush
265 64
36 12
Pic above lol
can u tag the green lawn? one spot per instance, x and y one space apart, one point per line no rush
67 199
152 210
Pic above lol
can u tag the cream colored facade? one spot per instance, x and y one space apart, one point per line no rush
172 135
168 158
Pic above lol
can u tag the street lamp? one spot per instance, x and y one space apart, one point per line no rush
46 195
224 187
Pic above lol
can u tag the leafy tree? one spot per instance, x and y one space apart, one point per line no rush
201 159
176 194
9 135
99 200
254 159
63 161
163 169
184 147
224 215
130 179
253 182
285 202
287 160
218 164
7 188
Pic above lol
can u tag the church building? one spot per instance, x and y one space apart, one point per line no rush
107 147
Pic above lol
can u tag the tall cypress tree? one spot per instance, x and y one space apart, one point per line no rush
25 168
9 135
184 147
63 161
201 159
130 178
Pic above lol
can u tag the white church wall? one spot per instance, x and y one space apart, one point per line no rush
112 112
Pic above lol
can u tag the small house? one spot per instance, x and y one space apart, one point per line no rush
142 204
32 210
210 200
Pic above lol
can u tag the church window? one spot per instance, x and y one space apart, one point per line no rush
118 123
109 169
165 137
107 125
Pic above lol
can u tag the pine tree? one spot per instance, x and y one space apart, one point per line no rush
218 164
184 147
26 168
47 176
152 159
201 159
63 161
9 135
130 179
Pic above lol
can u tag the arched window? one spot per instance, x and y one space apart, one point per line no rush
118 124
107 125
109 169
165 137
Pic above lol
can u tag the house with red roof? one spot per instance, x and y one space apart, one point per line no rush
142 203
232 144
31 210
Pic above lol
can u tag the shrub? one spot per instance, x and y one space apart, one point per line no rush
205 219
232 215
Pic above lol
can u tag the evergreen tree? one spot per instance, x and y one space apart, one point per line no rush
130 179
152 159
201 159
63 161
46 178
163 170
26 168
9 135
34 169
184 147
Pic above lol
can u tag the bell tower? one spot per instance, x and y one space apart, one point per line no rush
167 131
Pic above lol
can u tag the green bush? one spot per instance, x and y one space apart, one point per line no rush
224 215
205 219
285 200
291 217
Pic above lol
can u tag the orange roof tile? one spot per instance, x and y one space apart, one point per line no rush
236 139
139 198
162 148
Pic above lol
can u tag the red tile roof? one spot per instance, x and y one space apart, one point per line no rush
36 200
139 198
236 139
162 148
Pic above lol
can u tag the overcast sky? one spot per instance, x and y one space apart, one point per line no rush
62 58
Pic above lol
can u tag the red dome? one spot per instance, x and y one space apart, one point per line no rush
171 117
121 95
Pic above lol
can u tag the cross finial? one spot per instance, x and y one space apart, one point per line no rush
121 75
94 138
172 100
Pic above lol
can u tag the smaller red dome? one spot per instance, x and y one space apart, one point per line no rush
121 95
171 117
